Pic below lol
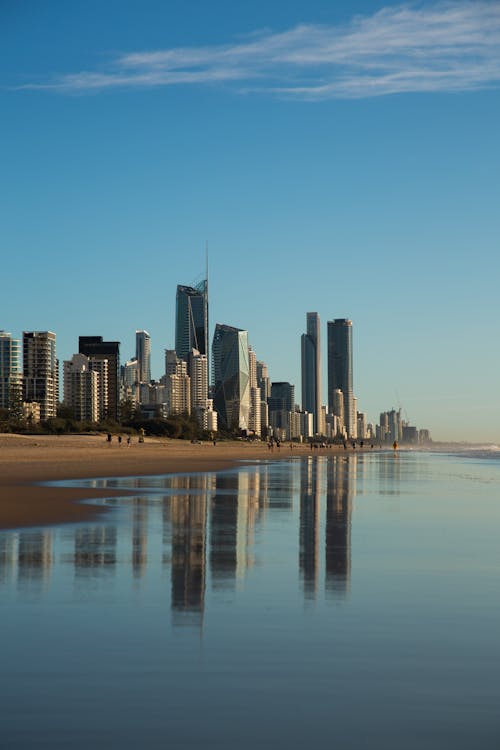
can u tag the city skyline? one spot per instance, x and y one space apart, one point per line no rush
365 193
339 364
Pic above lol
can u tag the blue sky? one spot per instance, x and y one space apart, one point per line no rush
338 157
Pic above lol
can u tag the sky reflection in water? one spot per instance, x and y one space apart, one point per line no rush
348 600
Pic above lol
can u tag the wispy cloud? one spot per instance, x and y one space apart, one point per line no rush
448 46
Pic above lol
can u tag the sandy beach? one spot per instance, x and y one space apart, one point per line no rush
26 460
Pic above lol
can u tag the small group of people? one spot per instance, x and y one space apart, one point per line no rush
109 439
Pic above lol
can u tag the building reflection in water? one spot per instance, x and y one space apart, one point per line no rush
94 550
184 517
389 473
8 554
34 557
207 526
188 515
340 489
309 532
27 557
224 531
139 535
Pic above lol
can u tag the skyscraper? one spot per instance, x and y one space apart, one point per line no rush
282 397
281 404
97 349
143 355
231 376
81 388
10 369
201 406
254 423
198 367
340 370
178 383
263 380
41 371
311 368
191 319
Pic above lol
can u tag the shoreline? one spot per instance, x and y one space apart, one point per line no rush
26 460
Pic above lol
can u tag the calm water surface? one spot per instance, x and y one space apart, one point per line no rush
349 601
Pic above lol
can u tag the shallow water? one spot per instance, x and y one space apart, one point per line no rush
348 601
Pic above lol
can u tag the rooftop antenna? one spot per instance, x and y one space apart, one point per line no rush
206 262
206 314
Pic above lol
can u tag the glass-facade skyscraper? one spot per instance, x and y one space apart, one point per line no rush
231 376
340 369
143 355
191 320
10 369
311 368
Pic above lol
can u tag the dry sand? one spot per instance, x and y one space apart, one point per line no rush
25 460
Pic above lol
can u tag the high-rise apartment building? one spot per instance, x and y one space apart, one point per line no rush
231 376
252 367
263 380
179 394
130 379
174 365
198 367
97 349
10 370
178 383
41 371
264 385
337 409
100 366
143 355
201 406
191 319
340 370
361 425
254 420
81 388
311 369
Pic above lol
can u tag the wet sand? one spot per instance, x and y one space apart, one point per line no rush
26 460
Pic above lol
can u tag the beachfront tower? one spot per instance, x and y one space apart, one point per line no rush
41 371
231 377
98 350
340 370
311 369
191 320
81 388
143 355
10 370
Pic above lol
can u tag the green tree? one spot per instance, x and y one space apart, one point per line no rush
16 416
127 410
65 412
